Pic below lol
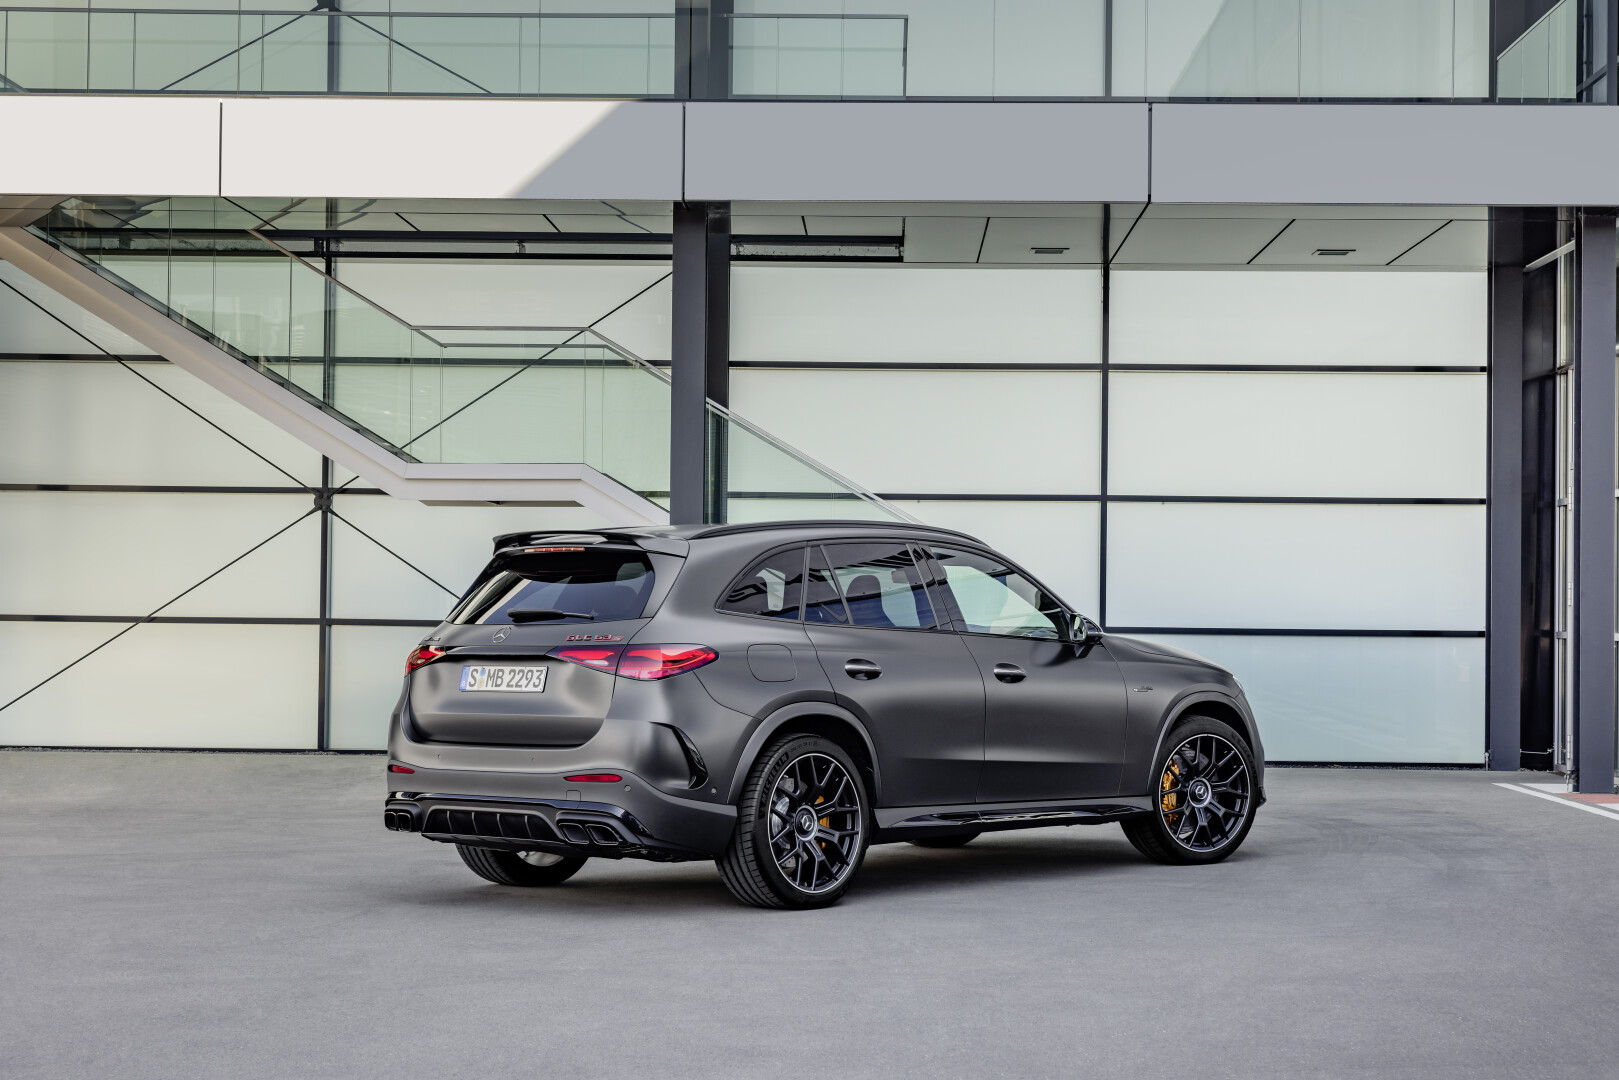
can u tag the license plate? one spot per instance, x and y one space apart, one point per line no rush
502 678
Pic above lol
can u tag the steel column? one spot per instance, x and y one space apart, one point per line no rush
700 361
1594 487
1504 618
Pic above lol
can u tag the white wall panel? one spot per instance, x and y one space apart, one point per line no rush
100 423
444 149
160 685
1407 318
1296 566
1358 699
368 664
1058 542
118 553
452 543
121 159
34 318
1236 433
910 315
952 432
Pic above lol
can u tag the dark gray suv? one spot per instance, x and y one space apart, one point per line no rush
777 697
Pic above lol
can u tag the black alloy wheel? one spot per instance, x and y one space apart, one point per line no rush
801 827
1203 796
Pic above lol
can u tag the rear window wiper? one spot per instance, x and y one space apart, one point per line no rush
546 615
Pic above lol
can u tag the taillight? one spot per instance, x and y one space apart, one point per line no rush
600 657
638 661
595 778
663 661
400 768
424 655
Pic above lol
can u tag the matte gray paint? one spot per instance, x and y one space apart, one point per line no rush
922 720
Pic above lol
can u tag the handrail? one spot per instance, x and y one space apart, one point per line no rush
742 422
572 339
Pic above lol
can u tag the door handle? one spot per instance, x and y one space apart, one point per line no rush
864 670
1010 673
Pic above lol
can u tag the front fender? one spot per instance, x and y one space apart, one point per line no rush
1188 701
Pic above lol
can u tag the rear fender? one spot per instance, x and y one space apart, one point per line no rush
786 715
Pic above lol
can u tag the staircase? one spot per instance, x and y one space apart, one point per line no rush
535 415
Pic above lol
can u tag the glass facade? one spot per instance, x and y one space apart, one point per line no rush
1257 432
823 49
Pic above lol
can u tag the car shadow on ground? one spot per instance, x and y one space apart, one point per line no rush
890 871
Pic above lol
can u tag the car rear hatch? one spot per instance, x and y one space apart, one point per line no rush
501 681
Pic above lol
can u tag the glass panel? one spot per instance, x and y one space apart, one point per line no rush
437 49
1358 699
1059 542
1189 565
160 685
1377 436
1541 64
915 315
1300 48
915 432
451 544
367 663
100 423
994 599
773 587
881 586
119 553
1407 318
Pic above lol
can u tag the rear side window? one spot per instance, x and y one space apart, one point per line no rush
590 585
882 585
822 601
772 587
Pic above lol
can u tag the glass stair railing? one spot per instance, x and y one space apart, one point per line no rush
430 394
217 48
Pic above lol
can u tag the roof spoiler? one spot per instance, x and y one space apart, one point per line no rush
662 544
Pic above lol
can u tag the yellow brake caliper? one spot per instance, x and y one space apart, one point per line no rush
826 822
1170 803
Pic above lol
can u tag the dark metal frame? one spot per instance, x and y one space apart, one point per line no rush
1594 493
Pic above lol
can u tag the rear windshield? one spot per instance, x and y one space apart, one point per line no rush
592 585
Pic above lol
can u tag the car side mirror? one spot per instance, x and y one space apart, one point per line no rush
1084 633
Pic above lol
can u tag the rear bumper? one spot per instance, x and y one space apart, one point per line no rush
544 812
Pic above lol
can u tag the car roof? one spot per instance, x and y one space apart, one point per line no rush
703 532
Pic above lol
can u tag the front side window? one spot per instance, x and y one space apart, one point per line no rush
591 585
772 587
995 599
882 585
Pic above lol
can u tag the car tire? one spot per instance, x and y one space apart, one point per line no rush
783 853
959 840
1204 794
527 869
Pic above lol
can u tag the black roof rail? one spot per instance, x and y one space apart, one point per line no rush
763 526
